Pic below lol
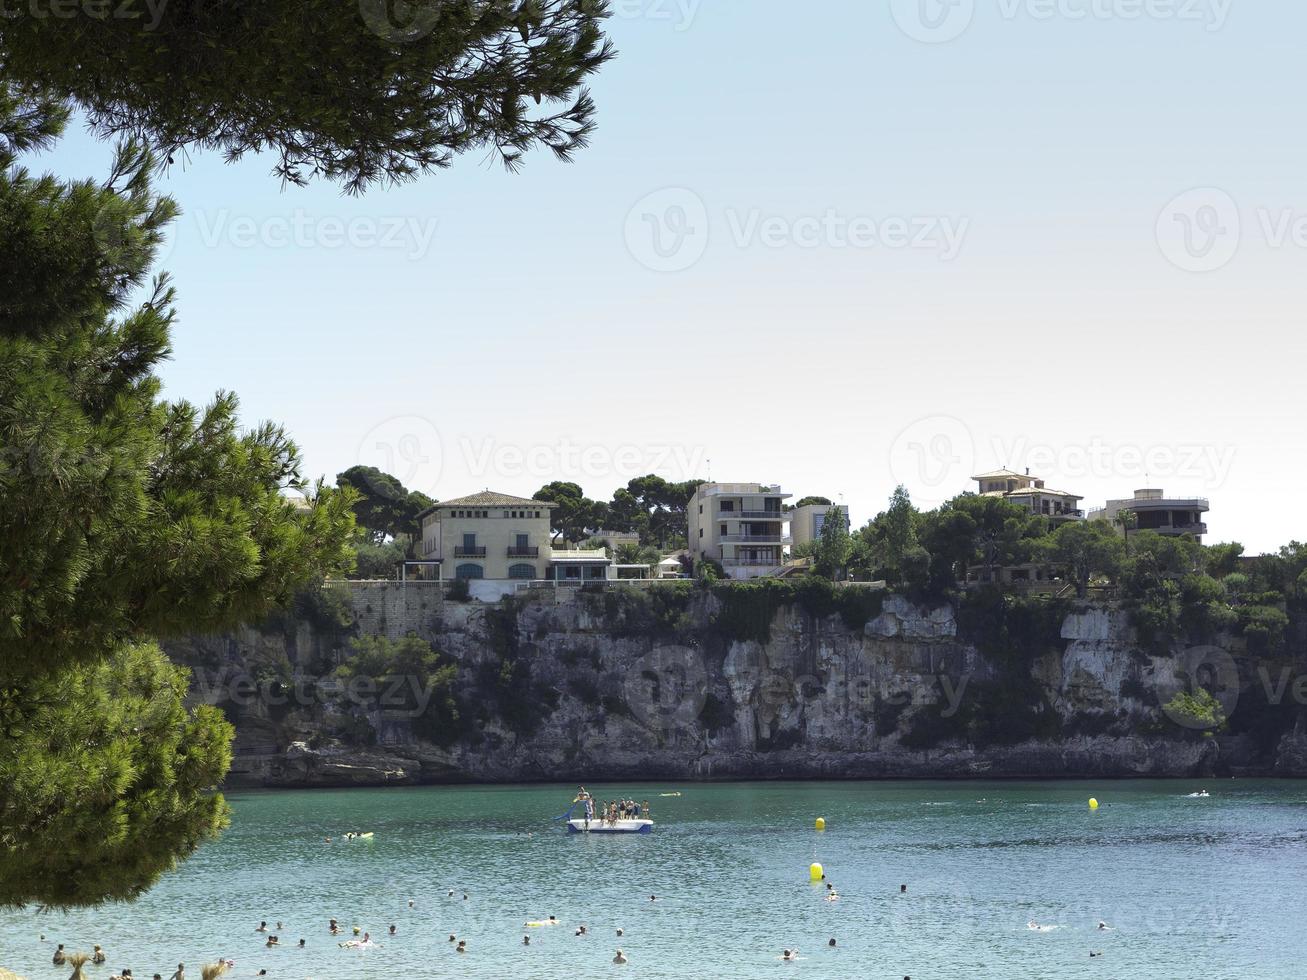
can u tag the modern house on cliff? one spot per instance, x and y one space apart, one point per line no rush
1154 511
739 525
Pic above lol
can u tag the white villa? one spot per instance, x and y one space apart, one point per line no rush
739 525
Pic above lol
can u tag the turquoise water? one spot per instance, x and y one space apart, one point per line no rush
1192 887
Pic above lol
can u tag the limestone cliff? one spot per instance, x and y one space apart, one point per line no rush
624 685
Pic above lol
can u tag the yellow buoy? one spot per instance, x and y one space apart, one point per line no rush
821 823
815 872
1093 803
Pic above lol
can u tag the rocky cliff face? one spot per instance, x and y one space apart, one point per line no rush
616 686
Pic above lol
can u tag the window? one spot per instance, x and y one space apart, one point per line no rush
726 505
469 542
522 570
522 541
469 571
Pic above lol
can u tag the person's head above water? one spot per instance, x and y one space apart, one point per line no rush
832 941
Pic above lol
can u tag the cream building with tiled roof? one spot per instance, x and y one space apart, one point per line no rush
488 535
1029 492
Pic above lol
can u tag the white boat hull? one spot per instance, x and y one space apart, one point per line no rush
583 826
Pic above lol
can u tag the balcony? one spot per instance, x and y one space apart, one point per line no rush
753 539
524 552
462 552
752 562
750 515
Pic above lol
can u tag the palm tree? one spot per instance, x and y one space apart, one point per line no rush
1127 519
77 961
211 971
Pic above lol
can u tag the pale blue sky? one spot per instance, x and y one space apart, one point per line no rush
1041 310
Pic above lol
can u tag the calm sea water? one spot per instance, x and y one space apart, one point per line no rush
1203 888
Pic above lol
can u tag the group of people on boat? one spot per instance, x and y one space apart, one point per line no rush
612 810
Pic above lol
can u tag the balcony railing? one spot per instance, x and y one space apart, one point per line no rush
462 552
751 561
751 515
755 538
532 552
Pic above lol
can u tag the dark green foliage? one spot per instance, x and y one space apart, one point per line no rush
123 519
377 561
459 590
656 610
1086 549
805 501
382 507
105 779
748 608
575 515
519 700
407 676
355 92
1012 631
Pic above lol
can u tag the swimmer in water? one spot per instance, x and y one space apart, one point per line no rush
903 889
301 944
180 974
789 954
263 927
462 946
453 938
831 944
392 928
59 959
620 932
1104 927
98 956
620 958
526 940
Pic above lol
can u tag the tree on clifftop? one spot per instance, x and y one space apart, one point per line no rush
356 92
384 508
122 519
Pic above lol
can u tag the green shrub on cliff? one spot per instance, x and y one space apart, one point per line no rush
748 608
1198 710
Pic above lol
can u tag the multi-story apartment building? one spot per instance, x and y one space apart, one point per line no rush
1154 511
739 525
1029 492
806 522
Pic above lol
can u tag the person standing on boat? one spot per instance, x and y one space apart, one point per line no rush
644 810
